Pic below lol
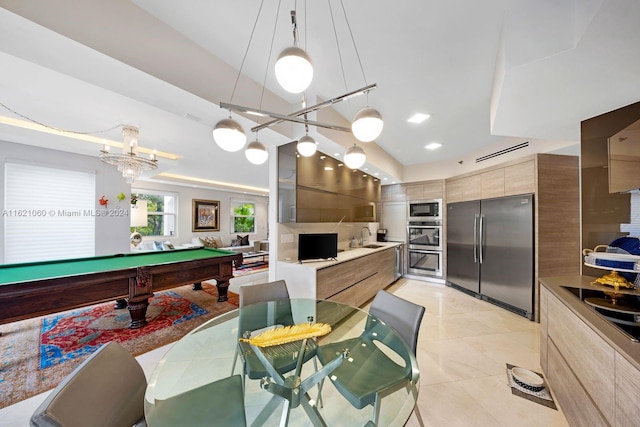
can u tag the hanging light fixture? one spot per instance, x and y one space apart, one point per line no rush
367 124
256 153
293 68
354 157
294 71
229 135
306 146
129 163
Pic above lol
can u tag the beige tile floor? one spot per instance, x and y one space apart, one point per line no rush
463 347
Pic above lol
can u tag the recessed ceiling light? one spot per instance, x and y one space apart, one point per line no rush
433 146
336 154
366 169
340 165
377 173
328 168
323 157
364 175
393 182
418 118
385 178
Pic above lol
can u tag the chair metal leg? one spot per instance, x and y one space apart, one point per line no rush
416 410
235 359
376 409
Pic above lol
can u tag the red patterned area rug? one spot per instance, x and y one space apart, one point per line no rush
36 354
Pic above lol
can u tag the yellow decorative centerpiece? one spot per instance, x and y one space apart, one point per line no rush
615 280
287 334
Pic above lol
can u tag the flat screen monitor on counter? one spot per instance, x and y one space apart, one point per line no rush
317 246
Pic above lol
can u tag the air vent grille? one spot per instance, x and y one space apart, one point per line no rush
502 152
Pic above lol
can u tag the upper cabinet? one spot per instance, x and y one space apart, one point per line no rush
514 178
320 188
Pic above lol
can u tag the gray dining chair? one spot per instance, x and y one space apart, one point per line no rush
106 390
276 313
372 374
217 404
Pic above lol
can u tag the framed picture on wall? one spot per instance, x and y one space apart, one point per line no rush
206 215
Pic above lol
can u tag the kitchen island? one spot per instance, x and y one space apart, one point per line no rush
591 365
353 278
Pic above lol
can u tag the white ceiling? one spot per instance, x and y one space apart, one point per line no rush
489 73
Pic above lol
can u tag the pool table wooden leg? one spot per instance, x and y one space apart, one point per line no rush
222 290
138 313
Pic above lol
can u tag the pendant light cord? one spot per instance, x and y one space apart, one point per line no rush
244 58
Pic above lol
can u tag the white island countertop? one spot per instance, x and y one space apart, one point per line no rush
344 255
301 277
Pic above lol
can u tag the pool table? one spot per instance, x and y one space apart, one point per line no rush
39 288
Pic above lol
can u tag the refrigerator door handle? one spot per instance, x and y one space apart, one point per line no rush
481 238
475 238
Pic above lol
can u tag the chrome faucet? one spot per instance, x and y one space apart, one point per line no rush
362 235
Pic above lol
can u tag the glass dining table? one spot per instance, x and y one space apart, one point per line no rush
304 396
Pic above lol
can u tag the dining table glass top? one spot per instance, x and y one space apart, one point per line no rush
210 352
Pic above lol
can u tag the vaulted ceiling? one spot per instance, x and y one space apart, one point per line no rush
490 74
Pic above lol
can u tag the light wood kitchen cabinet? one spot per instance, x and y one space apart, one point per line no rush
464 188
544 297
588 357
594 374
425 190
414 191
492 184
627 393
575 402
509 179
520 178
356 281
393 193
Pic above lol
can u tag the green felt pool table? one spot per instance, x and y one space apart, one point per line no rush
39 288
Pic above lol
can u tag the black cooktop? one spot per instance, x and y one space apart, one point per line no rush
622 310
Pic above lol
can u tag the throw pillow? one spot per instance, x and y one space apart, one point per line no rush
236 242
209 242
244 240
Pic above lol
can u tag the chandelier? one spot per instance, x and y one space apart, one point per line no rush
294 72
129 163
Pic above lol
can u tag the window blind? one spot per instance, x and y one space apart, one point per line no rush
48 213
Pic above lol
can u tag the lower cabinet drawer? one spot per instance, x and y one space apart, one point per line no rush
576 404
588 356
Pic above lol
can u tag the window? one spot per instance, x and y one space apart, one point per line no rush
161 213
243 217
48 213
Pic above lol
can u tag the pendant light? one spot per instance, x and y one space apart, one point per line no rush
306 146
355 157
293 69
256 153
229 135
367 124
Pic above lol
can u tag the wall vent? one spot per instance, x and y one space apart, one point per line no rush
501 152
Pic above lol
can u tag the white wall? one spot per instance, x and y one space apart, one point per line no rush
185 201
111 232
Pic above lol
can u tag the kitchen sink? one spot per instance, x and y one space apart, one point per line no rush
372 246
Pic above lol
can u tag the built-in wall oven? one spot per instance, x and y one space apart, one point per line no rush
425 235
424 248
424 263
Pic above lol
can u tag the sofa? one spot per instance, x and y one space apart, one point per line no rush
230 243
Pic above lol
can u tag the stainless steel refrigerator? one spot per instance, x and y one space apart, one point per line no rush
490 250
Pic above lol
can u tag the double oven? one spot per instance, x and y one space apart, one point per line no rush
424 238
